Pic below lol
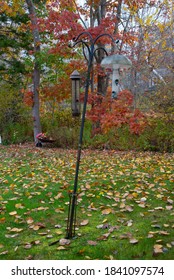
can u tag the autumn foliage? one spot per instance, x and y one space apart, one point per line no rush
107 113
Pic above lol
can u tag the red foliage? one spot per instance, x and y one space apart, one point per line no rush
107 113
28 98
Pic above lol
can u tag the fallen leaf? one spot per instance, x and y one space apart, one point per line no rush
13 213
133 241
122 205
169 245
28 246
49 236
84 222
64 241
158 248
41 208
29 220
59 232
159 208
59 196
99 226
30 257
11 235
162 232
57 226
59 210
36 227
91 242
169 207
19 206
128 208
106 211
2 220
61 248
4 253
16 229
104 236
129 223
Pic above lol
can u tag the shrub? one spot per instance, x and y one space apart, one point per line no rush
62 127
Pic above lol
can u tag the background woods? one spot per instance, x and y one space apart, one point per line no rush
36 63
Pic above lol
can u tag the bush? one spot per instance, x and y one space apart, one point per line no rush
63 128
160 135
15 120
157 136
16 133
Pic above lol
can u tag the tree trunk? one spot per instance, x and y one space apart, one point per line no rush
36 70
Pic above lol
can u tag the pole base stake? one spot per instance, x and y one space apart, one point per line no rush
71 223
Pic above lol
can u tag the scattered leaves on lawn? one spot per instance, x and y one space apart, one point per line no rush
133 191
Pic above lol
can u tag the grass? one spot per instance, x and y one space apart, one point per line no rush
124 211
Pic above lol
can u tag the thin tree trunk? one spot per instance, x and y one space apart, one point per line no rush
36 70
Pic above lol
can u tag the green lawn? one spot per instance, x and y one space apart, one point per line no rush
125 204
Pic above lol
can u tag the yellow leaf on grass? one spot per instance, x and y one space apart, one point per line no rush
16 229
30 220
107 211
59 196
2 220
59 232
36 227
158 248
13 213
61 248
59 210
19 206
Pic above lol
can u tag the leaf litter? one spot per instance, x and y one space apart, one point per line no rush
124 186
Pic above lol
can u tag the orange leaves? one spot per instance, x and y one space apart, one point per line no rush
115 113
28 98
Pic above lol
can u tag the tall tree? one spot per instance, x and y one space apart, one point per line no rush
36 70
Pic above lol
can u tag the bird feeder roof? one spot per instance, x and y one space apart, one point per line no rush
116 60
75 75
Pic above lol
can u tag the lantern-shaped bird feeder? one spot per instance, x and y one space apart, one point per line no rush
116 63
75 105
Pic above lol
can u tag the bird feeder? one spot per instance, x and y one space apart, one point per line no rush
115 63
75 101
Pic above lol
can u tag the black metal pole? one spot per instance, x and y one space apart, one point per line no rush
74 194
72 207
